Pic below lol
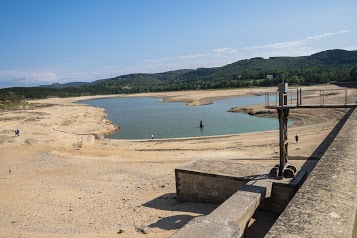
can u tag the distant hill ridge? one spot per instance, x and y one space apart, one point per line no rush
254 68
322 67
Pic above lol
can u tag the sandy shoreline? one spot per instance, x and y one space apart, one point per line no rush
68 181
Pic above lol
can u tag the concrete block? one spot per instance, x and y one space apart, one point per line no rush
230 218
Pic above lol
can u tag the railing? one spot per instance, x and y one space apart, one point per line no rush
301 97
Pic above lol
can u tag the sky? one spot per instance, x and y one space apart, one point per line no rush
59 41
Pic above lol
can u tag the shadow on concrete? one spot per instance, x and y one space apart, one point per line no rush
260 224
172 222
257 177
311 162
168 202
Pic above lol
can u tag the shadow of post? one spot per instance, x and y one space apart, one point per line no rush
311 162
172 222
168 202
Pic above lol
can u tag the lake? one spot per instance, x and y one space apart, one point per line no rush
139 118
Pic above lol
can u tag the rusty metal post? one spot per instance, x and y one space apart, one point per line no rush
285 125
283 128
283 140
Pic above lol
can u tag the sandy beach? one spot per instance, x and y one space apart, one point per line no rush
62 178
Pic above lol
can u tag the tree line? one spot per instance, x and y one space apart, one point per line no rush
323 67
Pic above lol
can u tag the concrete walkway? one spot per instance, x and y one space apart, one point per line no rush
326 205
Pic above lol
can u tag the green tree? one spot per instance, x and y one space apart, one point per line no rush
294 80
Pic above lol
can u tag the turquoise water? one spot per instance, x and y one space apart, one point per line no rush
139 118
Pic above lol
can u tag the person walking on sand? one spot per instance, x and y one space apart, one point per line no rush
296 139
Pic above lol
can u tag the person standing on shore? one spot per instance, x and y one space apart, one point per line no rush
297 139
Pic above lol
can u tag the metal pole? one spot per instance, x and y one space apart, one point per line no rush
265 98
286 143
300 97
345 96
297 96
283 140
281 144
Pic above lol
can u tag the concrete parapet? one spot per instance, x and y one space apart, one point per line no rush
195 186
326 205
231 217
202 185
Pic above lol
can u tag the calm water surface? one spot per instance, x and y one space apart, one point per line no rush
139 118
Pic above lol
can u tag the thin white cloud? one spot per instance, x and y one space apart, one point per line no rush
193 56
157 60
176 58
42 77
29 76
318 37
222 50
290 44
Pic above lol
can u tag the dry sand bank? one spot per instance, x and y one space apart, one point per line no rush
68 181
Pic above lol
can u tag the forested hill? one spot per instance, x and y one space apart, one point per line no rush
322 67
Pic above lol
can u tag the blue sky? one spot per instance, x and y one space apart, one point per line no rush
43 42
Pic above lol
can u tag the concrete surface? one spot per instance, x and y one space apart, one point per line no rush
326 204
